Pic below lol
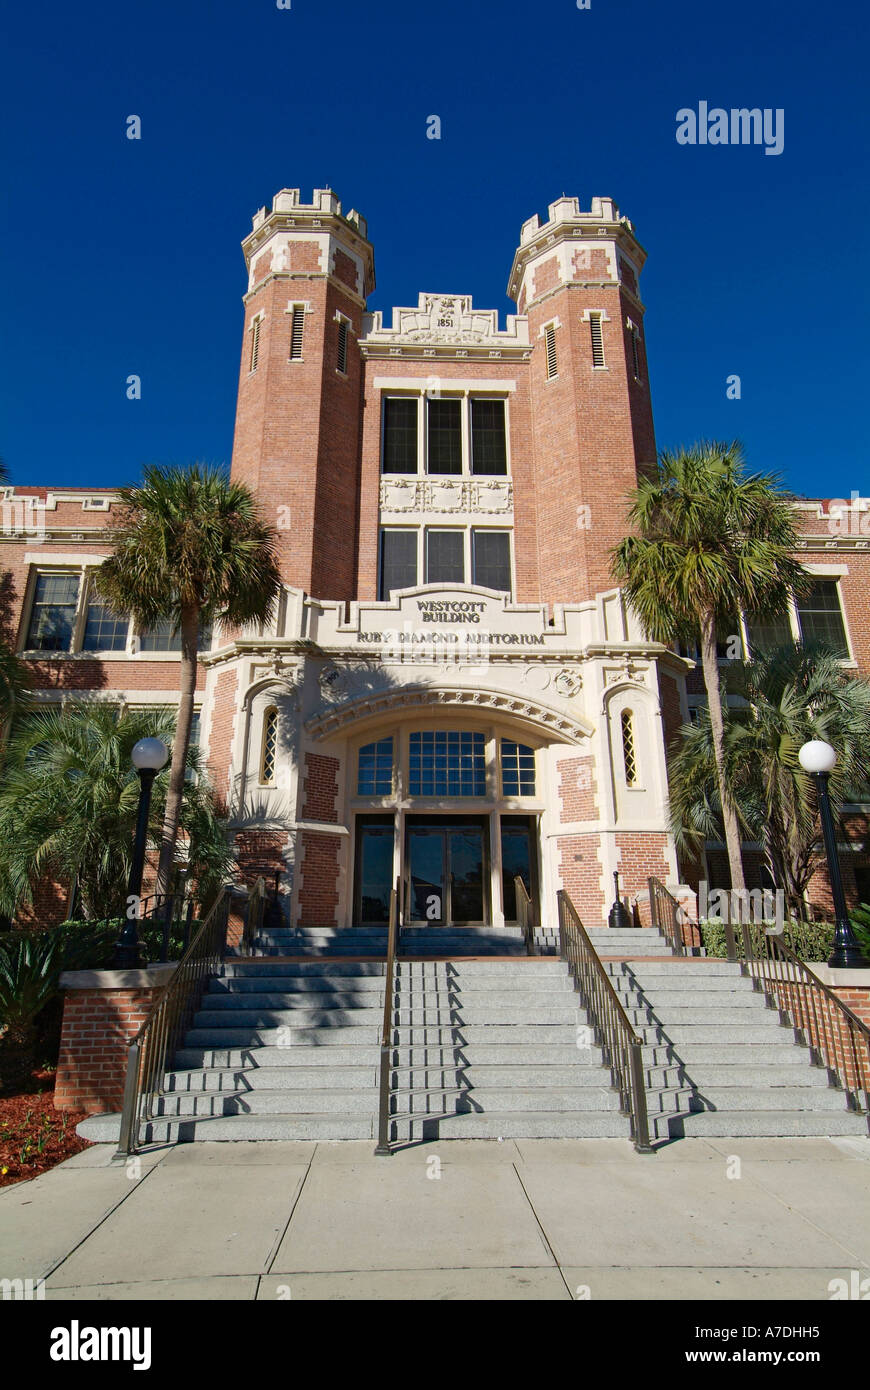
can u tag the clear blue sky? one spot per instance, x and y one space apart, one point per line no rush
124 257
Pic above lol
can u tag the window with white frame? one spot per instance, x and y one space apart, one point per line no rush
53 611
517 768
341 358
269 747
255 342
597 340
297 332
820 617
450 435
552 361
444 555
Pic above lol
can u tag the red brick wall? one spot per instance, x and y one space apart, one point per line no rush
580 875
320 788
577 790
260 854
220 734
318 893
641 856
98 1025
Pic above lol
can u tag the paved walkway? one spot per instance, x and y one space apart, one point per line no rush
539 1219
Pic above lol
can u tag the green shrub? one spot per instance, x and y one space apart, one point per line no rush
30 968
810 941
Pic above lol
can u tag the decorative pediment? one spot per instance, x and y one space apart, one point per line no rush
445 320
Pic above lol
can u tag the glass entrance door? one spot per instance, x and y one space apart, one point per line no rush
518 860
447 867
374 870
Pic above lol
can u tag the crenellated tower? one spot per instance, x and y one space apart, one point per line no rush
576 278
297 437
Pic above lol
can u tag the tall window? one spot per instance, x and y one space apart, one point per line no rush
491 560
445 559
629 754
821 617
297 331
444 763
255 342
269 755
634 335
398 561
765 634
488 443
104 631
597 340
517 769
445 435
375 769
342 346
53 616
161 638
400 434
552 365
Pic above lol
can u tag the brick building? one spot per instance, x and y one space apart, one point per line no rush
452 690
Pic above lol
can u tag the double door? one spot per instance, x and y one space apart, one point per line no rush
447 873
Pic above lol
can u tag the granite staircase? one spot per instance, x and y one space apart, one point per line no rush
718 1061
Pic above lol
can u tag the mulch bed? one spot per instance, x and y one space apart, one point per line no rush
33 1135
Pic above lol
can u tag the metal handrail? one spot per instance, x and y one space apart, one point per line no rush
253 917
383 1148
524 915
837 1038
667 915
168 1020
620 1044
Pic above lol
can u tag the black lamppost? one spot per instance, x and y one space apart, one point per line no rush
819 758
148 757
619 915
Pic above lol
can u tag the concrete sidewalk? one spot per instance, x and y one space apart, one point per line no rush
539 1219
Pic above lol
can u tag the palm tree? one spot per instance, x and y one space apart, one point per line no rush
13 680
192 548
68 804
793 694
713 541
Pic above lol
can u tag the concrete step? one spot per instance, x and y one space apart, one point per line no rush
508 1099
234 1128
759 1096
475 1034
683 1015
512 1125
795 1072
483 1077
697 1035
328 1101
328 1057
292 1001
232 1080
345 1015
773 1124
308 969
675 968
321 986
432 1012
280 1039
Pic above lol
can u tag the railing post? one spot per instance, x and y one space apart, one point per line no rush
383 1149
127 1139
640 1115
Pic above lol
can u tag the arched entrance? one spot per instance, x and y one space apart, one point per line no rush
447 796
